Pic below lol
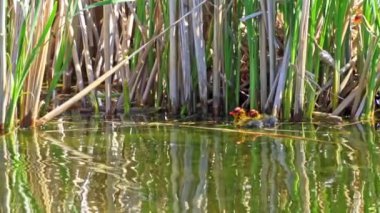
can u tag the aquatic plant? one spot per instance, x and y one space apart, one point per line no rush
288 58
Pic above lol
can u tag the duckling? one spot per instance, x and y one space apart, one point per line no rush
270 121
252 119
254 124
255 121
267 120
240 116
252 113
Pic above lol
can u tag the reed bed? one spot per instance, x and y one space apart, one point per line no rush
286 58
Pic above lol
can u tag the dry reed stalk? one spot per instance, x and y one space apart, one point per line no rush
93 33
63 107
301 62
117 51
157 63
108 53
76 62
126 35
346 102
127 24
346 80
283 72
66 81
272 92
345 69
342 21
55 47
152 78
263 42
138 23
99 57
200 54
150 83
173 72
19 18
30 105
271 40
3 66
137 74
357 107
185 54
263 62
218 55
86 51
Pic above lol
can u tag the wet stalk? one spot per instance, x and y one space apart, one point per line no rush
3 66
200 55
218 55
173 78
301 63
253 54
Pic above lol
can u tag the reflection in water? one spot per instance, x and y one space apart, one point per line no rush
117 168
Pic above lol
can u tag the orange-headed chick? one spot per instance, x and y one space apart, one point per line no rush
266 120
240 116
254 114
255 119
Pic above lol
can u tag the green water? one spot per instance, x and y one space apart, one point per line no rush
121 167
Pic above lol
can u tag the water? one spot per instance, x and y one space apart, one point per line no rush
124 167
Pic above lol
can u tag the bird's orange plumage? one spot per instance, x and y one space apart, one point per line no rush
241 117
252 119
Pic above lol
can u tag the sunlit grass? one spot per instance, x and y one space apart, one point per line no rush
200 65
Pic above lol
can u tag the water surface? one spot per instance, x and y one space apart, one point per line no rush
126 167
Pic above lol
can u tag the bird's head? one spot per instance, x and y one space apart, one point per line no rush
239 115
237 112
253 113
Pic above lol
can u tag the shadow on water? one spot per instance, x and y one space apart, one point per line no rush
115 167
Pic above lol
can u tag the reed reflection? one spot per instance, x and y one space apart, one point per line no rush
116 167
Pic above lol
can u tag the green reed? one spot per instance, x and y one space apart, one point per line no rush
202 63
317 14
340 18
27 55
292 15
252 37
372 28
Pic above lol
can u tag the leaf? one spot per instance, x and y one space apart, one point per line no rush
106 2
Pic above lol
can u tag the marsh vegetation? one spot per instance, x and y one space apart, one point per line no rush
287 58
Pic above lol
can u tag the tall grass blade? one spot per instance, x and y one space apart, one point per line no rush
108 53
86 54
280 90
271 40
293 18
263 62
185 54
238 45
30 102
253 56
341 8
60 65
173 78
23 68
3 66
105 3
200 54
301 63
229 59
218 56
319 15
